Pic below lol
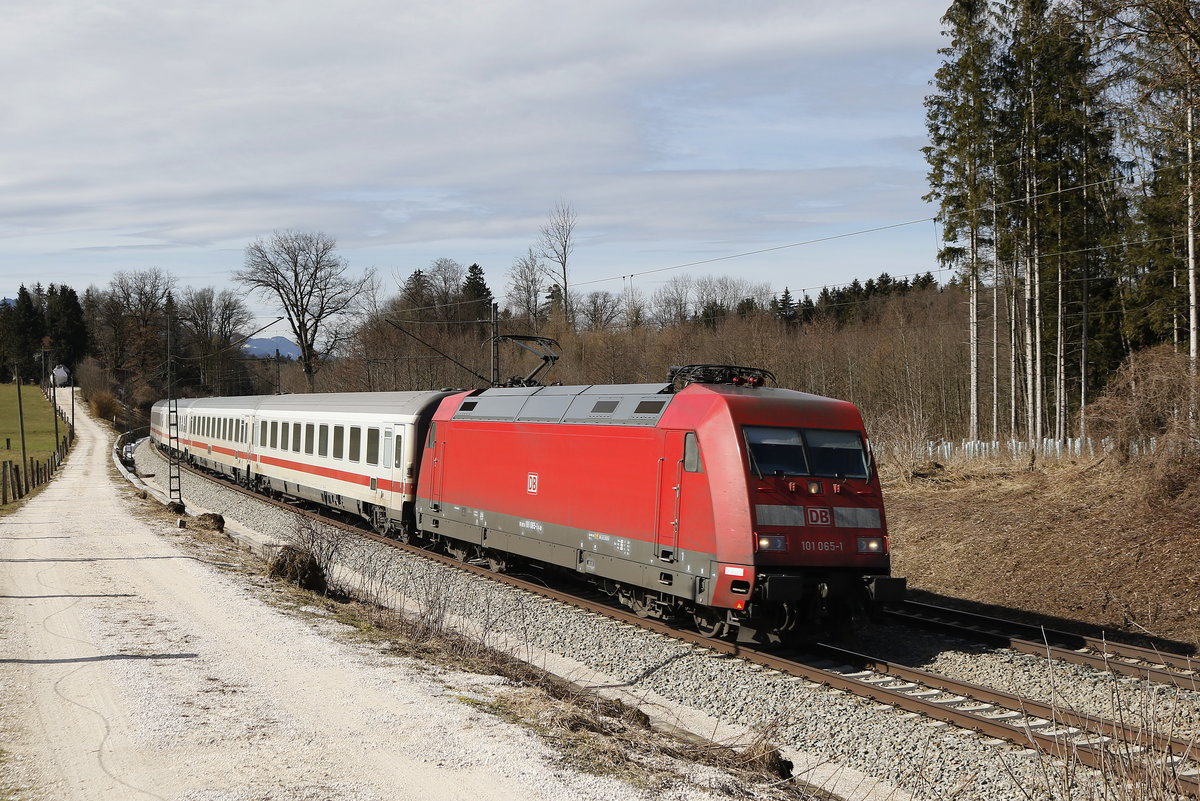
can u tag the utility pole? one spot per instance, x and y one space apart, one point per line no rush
495 345
21 418
174 480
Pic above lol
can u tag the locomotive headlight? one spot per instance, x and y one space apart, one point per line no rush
772 542
870 544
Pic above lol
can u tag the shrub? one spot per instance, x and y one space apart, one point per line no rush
103 405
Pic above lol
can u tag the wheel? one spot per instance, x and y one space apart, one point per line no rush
711 623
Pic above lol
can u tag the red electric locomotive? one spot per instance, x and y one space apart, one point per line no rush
712 496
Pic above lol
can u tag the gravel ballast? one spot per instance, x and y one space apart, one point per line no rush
916 756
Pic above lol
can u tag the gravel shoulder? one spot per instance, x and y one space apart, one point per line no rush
132 669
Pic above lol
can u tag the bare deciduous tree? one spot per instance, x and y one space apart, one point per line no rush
303 272
556 241
526 286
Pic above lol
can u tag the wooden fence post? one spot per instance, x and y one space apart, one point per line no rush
4 484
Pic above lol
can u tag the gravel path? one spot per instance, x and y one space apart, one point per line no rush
131 669
920 758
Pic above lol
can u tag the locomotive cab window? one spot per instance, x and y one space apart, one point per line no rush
691 454
777 451
836 454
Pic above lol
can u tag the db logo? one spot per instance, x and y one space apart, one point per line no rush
531 484
818 516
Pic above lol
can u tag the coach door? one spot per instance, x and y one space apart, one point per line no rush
670 486
395 435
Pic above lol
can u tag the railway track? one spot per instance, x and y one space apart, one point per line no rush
1148 664
1024 722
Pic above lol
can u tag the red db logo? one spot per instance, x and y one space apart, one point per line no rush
531 484
818 516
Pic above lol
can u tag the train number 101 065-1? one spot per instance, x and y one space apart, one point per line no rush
820 545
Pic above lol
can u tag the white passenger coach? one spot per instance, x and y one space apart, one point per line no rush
356 451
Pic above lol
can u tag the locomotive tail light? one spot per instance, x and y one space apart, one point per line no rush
815 488
772 542
871 545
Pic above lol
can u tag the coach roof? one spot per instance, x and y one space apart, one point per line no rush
383 403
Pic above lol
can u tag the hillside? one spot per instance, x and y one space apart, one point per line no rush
1112 546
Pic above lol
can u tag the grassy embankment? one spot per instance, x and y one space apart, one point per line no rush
1104 545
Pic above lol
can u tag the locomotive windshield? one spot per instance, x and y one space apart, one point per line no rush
805 452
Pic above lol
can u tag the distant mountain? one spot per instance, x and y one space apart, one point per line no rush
266 347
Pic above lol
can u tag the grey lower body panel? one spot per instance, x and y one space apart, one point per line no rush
686 575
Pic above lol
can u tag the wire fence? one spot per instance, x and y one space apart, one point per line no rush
1048 449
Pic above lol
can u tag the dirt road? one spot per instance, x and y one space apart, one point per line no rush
130 669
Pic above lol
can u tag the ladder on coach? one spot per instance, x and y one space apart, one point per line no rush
174 487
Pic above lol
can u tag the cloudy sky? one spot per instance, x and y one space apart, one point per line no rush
138 133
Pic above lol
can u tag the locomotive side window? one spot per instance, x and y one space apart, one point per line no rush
339 435
691 454
372 446
308 438
323 442
776 451
836 453
283 436
274 433
355 443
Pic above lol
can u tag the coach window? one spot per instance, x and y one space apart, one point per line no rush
323 441
297 433
308 438
691 454
262 434
224 428
355 443
398 447
283 436
372 446
339 436
274 434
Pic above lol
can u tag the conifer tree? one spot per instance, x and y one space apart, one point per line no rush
960 120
